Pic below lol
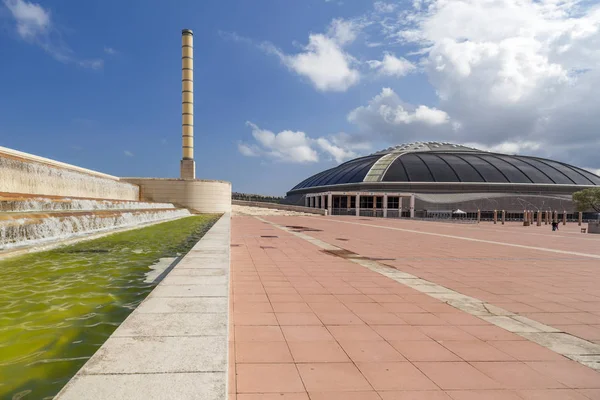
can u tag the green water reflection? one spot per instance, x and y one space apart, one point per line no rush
58 307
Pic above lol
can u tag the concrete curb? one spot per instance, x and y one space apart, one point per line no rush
174 345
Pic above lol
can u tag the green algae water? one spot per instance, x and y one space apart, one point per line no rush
58 307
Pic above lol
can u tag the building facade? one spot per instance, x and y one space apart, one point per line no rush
433 179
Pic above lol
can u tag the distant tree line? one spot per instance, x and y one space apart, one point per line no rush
256 197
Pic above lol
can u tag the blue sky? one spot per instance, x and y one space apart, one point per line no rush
284 89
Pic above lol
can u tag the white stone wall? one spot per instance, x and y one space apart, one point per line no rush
203 196
277 206
28 174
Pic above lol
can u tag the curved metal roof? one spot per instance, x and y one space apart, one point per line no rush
349 172
446 162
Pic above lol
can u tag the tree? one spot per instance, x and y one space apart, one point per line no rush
587 199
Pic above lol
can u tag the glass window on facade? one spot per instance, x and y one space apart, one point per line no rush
344 201
379 202
352 201
337 202
394 202
366 201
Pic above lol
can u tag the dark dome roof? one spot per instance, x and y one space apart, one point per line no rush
446 162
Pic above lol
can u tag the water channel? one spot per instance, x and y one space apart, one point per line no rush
58 307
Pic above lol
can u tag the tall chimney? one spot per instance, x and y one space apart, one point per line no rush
188 165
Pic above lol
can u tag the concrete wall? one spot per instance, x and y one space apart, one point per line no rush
275 206
28 174
594 227
203 196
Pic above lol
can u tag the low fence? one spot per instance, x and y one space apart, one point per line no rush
276 206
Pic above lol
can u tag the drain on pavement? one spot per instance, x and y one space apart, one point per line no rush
342 239
343 253
296 228
269 236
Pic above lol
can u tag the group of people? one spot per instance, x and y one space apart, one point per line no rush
554 226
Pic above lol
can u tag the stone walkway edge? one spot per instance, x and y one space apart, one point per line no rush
174 345
577 349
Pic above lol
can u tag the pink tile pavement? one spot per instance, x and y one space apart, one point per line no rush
557 289
308 325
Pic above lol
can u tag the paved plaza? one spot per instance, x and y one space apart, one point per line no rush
364 308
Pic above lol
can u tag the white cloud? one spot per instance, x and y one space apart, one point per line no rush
128 153
248 150
344 31
32 20
285 146
388 116
110 50
323 60
338 153
383 7
392 65
297 147
325 64
513 147
34 25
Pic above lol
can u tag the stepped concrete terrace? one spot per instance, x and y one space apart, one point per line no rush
28 221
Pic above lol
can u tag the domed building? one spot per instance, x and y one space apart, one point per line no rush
431 178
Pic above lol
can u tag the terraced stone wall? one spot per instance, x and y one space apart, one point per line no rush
24 173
